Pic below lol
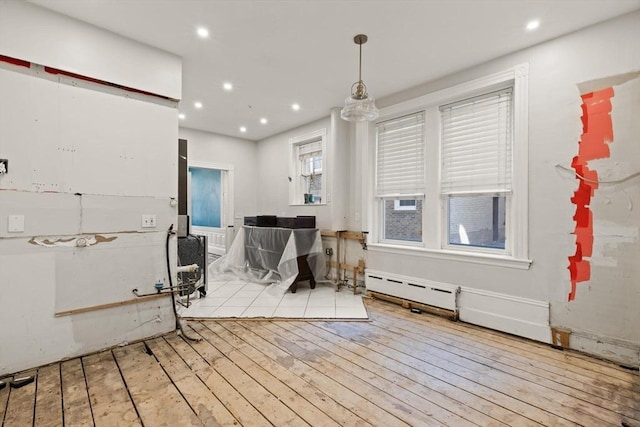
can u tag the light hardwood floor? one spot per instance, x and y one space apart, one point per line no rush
398 369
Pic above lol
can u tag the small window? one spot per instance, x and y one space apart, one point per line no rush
307 164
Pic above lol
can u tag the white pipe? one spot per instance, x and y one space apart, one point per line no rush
188 268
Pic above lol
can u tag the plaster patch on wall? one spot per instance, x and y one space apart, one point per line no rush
607 238
80 241
597 133
620 232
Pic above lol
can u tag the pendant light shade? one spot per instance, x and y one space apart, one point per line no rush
359 106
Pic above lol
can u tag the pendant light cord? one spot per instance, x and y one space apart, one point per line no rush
360 65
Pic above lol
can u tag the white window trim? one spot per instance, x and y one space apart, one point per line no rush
444 254
518 220
296 191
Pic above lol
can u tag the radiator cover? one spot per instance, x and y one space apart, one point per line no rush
436 294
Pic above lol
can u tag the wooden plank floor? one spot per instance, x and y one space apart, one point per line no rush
398 369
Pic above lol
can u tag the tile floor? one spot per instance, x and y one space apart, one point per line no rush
236 298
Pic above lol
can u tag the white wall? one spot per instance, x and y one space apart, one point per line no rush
86 161
241 154
605 315
26 33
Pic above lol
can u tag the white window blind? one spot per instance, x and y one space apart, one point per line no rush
400 157
476 144
310 149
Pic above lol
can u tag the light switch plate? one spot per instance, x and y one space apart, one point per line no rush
15 224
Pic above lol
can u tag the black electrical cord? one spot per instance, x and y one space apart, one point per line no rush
173 297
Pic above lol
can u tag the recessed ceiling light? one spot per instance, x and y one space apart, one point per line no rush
532 25
227 86
203 32
197 104
181 116
243 129
263 121
295 107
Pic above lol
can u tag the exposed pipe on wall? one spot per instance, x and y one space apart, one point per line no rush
173 297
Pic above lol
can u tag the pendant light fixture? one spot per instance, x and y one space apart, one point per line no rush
359 106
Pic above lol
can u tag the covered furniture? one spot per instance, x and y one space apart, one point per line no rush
275 249
281 257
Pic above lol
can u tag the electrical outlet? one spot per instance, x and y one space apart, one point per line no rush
15 224
4 166
148 221
328 251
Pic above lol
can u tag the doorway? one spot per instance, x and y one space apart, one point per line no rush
210 203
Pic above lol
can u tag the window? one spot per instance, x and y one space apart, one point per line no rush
404 224
451 176
310 163
306 168
475 179
476 221
400 177
404 205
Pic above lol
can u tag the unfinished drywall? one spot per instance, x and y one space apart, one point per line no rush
87 162
606 228
605 313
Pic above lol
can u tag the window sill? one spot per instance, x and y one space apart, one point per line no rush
470 257
307 204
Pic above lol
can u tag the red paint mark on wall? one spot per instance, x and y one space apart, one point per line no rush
15 61
57 71
597 134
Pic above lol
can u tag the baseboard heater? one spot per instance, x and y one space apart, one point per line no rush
414 293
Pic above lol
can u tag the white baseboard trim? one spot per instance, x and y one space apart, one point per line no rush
515 315
620 351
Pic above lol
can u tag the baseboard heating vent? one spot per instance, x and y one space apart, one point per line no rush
411 292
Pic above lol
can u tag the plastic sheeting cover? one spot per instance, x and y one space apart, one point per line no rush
268 255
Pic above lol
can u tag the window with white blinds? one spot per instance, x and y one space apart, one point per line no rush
476 144
400 157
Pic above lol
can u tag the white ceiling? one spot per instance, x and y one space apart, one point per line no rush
277 52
